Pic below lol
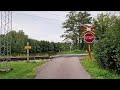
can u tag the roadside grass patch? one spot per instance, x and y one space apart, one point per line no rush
75 52
96 72
22 70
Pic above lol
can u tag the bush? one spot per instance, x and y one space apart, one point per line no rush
107 50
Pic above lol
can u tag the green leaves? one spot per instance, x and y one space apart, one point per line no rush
73 27
107 48
19 40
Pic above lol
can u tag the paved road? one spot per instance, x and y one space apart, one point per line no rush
69 55
63 68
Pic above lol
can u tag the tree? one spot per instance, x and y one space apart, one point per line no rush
73 27
103 22
19 40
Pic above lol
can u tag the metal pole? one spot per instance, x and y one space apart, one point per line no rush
27 52
1 36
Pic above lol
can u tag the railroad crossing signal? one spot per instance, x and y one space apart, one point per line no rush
89 36
88 29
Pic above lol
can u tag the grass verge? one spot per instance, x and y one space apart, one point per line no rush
96 72
22 70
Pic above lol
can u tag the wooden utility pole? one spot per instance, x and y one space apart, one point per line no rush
89 52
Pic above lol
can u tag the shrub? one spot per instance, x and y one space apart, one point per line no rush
107 50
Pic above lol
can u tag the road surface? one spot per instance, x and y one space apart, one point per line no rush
64 67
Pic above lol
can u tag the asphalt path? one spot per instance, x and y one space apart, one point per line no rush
63 67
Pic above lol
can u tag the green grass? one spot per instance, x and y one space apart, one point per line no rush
75 52
22 70
96 72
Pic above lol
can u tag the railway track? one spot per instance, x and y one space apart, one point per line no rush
42 57
24 58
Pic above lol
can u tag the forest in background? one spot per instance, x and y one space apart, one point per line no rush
19 41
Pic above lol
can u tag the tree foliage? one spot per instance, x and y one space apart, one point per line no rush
107 47
19 40
73 30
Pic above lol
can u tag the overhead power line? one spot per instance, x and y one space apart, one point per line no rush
54 14
38 16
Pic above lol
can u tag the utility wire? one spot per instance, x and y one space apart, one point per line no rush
55 14
59 22
38 16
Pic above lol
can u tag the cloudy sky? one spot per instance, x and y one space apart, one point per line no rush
42 25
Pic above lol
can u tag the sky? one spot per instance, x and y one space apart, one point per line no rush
42 25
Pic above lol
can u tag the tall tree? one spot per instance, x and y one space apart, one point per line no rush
103 22
73 27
